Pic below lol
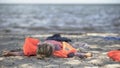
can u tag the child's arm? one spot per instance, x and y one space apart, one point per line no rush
9 53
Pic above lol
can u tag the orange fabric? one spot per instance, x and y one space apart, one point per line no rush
66 49
114 54
30 46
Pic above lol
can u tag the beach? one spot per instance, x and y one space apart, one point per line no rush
98 46
96 25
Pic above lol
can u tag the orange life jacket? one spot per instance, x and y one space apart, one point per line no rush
114 54
66 49
30 46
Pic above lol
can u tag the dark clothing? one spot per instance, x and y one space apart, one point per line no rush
57 37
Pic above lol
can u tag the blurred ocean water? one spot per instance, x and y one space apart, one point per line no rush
68 18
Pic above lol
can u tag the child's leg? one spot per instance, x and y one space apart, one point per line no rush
16 50
10 53
83 55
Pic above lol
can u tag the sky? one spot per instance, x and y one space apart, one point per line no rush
62 1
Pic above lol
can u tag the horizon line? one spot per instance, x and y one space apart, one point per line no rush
59 3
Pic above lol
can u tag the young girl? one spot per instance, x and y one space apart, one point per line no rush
33 47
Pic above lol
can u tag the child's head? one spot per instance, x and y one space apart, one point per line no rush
44 50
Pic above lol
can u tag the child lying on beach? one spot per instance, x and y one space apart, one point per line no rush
55 45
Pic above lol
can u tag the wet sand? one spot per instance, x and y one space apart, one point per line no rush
98 46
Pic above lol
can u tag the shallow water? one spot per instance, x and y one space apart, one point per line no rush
68 18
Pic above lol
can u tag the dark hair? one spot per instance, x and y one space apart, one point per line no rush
44 50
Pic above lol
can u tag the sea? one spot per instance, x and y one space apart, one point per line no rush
97 18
